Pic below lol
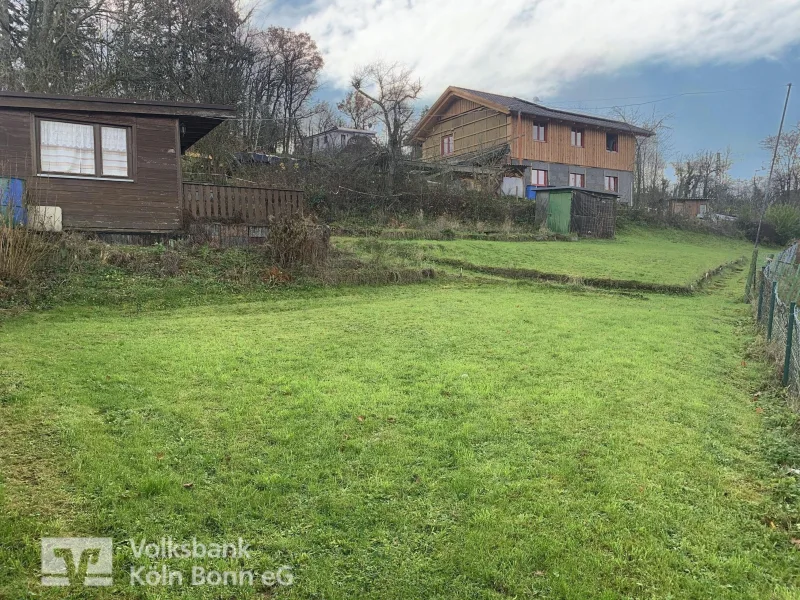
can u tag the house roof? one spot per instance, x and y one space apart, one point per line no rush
511 104
196 120
343 130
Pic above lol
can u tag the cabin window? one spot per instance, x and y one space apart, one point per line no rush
343 140
114 144
612 142
577 179
538 177
539 132
83 149
67 148
447 145
576 137
612 184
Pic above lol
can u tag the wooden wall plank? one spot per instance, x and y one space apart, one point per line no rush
248 205
151 202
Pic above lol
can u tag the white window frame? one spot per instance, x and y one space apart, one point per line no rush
537 128
535 177
448 145
576 137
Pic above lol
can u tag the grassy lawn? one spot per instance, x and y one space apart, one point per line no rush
429 441
647 255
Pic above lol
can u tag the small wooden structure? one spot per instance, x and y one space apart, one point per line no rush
688 207
567 210
108 164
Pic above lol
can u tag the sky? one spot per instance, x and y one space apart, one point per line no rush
717 69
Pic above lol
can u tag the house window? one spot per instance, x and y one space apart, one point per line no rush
576 137
72 149
612 184
577 179
344 140
612 142
447 145
538 177
539 132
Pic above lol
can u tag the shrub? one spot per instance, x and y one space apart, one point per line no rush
786 221
21 248
298 240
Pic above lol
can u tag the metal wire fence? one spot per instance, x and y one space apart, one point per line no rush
776 315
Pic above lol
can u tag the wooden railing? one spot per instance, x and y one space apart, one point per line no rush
233 204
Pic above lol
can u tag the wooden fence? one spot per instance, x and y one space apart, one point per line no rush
233 204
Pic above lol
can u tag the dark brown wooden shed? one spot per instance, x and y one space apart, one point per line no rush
108 164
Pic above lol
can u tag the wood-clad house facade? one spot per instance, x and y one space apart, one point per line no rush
110 165
547 147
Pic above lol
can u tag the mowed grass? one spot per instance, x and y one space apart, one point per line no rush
664 256
432 441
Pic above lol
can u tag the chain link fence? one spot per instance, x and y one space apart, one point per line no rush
776 315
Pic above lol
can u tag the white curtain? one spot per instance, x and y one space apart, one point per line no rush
67 148
115 151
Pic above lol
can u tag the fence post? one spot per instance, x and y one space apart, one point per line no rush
772 309
787 360
760 298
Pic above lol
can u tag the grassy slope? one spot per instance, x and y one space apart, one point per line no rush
417 442
646 255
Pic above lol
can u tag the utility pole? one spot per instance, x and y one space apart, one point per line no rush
751 277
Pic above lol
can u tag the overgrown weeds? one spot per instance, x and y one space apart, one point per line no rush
298 241
21 248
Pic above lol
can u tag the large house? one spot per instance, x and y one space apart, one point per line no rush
542 146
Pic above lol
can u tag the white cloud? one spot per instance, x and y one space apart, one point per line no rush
533 47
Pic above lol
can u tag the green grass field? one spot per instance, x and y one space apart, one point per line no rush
444 440
670 257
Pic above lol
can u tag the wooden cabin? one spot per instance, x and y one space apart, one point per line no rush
104 164
692 208
549 147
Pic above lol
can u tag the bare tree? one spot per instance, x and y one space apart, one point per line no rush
361 111
703 175
786 177
392 89
649 182
301 63
46 44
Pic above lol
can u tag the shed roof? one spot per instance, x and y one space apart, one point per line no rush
511 104
571 188
196 120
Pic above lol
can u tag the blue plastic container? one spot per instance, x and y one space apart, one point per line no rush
530 192
11 193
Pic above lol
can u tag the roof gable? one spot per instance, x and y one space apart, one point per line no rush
510 105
